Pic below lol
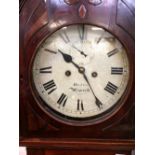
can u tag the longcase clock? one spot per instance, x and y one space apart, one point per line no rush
77 77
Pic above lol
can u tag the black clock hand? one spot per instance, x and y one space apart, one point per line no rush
79 51
98 102
68 59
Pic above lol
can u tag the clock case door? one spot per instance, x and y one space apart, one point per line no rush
38 19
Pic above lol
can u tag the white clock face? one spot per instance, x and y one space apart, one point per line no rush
81 71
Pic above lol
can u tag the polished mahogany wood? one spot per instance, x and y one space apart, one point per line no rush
75 147
78 144
31 151
38 19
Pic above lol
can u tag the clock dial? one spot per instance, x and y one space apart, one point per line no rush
80 71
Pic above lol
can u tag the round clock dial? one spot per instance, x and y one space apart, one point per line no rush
80 71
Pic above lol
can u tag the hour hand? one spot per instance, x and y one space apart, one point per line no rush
66 57
69 59
97 101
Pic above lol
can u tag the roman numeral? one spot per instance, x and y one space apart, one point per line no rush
80 106
111 88
62 100
64 37
50 51
114 51
109 39
46 70
50 86
81 31
99 39
117 70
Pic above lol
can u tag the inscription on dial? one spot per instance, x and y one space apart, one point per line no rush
111 88
50 86
80 88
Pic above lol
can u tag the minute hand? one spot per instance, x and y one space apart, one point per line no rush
79 50
81 70
98 102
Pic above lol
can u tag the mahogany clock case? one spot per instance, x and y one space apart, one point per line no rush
65 119
39 20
